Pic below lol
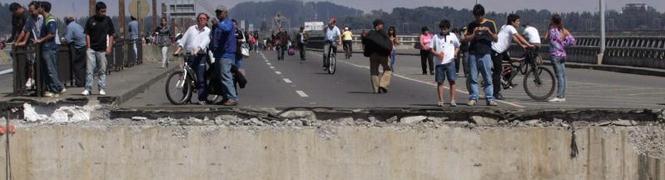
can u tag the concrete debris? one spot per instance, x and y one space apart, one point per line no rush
53 114
412 119
484 121
648 140
392 119
622 122
295 114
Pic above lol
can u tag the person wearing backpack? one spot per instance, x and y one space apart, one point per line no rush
49 43
377 47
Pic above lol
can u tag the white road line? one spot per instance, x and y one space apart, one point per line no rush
287 80
432 84
6 71
302 94
271 67
269 64
278 73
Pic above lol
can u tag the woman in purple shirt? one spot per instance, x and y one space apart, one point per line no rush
559 38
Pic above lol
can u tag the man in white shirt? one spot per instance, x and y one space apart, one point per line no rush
333 35
445 46
532 35
195 42
506 35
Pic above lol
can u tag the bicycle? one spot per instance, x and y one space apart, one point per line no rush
331 60
347 50
541 78
184 84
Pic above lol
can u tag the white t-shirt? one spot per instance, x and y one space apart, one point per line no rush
446 45
332 34
505 38
532 35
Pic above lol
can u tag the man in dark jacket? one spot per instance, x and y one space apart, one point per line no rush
377 48
18 20
283 39
301 39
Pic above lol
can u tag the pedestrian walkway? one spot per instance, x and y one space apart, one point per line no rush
122 85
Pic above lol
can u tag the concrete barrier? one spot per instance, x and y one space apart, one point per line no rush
124 149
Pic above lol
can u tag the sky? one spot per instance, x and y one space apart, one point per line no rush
79 7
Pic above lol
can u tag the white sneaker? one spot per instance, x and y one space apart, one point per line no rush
64 90
85 93
29 83
453 104
556 100
440 104
102 92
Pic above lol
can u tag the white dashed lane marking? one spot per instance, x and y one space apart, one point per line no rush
302 94
288 81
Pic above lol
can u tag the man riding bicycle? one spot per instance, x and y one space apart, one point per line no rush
333 38
195 42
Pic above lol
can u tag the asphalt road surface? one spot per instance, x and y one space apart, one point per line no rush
295 83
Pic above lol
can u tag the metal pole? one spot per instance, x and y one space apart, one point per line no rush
121 18
602 31
92 7
154 14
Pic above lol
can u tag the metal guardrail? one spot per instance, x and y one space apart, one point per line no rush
120 58
646 51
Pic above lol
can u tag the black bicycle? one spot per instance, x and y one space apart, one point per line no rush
331 60
538 81
181 84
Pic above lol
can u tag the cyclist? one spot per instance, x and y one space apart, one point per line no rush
533 37
333 35
347 39
506 35
195 42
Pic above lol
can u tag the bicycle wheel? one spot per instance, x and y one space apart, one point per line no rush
539 83
178 88
332 66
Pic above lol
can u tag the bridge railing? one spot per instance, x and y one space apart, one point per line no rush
645 51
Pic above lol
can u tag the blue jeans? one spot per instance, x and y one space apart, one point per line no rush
51 77
199 65
484 64
393 58
223 66
559 66
96 65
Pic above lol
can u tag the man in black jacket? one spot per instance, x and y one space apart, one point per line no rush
377 48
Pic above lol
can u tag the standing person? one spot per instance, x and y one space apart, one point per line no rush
333 38
425 53
99 32
392 34
31 31
18 20
134 37
445 46
163 36
560 38
347 40
76 40
195 41
223 44
282 43
302 39
480 35
238 70
49 48
377 46
506 35
464 53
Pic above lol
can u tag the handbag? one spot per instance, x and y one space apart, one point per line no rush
244 47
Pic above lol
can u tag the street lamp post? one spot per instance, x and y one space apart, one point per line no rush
602 31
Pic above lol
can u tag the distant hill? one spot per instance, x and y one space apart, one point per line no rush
297 12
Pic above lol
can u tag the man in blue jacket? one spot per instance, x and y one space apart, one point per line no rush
223 46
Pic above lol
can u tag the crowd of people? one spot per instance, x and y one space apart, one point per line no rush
219 43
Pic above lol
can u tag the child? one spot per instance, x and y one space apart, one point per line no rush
444 47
